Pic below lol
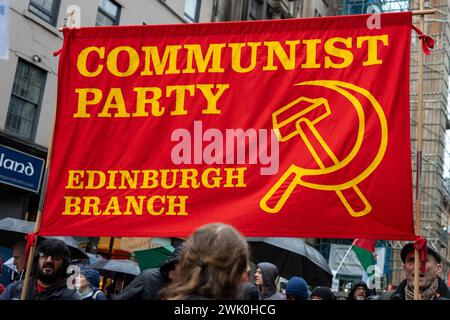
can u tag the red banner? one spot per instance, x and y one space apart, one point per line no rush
280 128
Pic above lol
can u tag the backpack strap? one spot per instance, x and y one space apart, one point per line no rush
95 295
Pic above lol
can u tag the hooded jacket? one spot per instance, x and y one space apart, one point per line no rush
148 283
356 285
269 288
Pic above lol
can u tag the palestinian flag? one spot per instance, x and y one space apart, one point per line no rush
365 252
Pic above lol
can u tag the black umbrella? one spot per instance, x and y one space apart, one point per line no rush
14 230
293 257
112 267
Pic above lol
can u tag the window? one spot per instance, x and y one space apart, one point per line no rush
256 10
25 102
192 10
289 8
47 10
108 13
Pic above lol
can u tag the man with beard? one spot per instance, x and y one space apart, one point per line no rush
48 280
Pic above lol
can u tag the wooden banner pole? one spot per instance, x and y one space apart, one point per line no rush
26 280
419 151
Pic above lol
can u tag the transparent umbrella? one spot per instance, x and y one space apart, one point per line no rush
10 264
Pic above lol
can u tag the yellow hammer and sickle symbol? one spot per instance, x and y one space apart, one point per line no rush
294 174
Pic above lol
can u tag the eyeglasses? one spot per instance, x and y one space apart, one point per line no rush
45 256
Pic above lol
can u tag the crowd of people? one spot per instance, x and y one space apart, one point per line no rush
213 263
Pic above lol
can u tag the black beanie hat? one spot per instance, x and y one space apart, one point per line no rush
324 292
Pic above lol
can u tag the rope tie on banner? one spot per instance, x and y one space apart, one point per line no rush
31 241
57 52
421 245
427 41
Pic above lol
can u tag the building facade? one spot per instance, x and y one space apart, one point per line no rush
28 85
240 10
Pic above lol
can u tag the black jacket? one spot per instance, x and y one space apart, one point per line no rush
57 292
442 291
148 283
145 286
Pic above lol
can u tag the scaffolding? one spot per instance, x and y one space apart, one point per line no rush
346 7
435 184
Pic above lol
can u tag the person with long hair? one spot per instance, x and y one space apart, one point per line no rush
213 263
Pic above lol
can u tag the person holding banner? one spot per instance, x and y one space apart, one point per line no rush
213 265
431 287
49 281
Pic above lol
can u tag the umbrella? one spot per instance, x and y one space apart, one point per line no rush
111 267
94 257
293 257
152 258
14 230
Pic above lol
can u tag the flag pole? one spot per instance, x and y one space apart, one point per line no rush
26 280
30 256
419 152
342 261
